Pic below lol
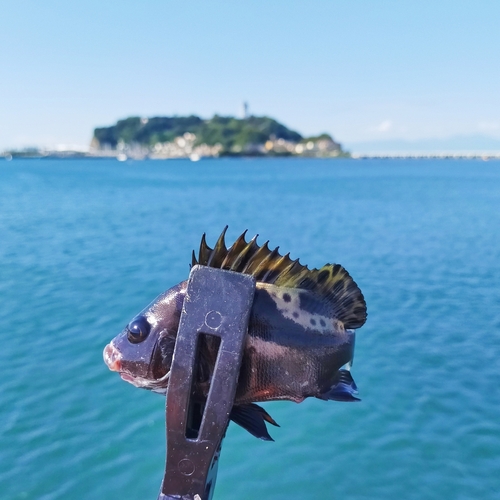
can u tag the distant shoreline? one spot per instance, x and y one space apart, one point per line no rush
76 155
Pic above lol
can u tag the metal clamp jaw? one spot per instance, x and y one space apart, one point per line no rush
218 304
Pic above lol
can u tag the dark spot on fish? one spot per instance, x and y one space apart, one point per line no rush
313 304
322 322
286 297
323 276
264 307
266 322
336 269
313 322
295 314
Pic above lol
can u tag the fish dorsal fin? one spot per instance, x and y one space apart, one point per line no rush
335 284
332 282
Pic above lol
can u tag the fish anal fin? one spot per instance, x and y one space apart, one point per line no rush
265 415
253 419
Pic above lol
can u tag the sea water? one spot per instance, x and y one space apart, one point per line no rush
87 244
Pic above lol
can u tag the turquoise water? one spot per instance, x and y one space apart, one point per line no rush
84 245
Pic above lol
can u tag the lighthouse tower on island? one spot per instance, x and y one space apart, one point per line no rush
244 110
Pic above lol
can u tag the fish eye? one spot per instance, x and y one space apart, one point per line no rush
138 330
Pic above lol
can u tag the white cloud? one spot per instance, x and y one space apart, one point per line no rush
384 126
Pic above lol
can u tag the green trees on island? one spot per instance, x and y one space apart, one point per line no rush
147 131
226 135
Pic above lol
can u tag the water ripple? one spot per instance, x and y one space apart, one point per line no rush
85 245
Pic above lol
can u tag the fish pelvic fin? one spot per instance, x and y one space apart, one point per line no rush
253 419
332 282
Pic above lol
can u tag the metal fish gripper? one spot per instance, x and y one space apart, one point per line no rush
217 304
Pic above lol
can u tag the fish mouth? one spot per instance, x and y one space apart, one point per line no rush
127 377
158 385
113 359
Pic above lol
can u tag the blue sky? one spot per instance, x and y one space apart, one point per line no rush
367 72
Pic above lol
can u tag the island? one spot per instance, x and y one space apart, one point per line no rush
164 137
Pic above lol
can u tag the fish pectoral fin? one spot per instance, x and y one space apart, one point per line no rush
343 389
253 419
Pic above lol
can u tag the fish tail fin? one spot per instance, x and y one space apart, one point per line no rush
343 389
252 418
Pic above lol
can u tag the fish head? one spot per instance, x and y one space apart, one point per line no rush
142 352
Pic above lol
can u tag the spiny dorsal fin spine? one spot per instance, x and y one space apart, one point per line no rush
294 277
205 251
219 252
276 268
245 255
331 282
263 264
289 269
267 265
234 251
258 257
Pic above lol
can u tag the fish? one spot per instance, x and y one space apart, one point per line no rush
299 344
